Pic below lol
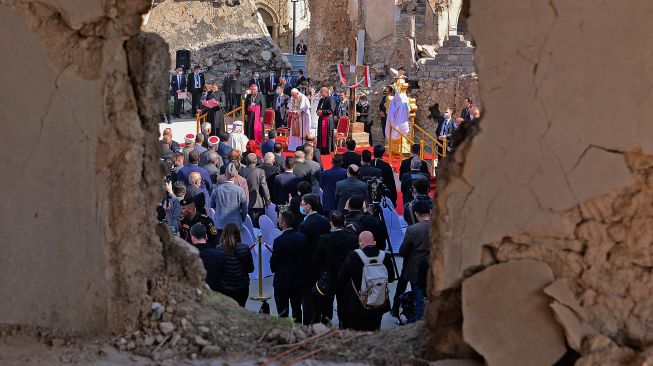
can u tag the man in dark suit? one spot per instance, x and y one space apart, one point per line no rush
330 254
366 170
386 173
317 156
178 85
446 128
408 178
259 195
233 88
350 156
285 183
256 80
357 221
271 86
196 87
279 102
306 171
415 248
328 180
405 164
289 262
268 145
279 159
271 171
223 147
350 187
313 226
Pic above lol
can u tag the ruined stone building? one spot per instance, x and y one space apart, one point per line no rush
542 230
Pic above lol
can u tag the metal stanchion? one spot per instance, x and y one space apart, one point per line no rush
265 307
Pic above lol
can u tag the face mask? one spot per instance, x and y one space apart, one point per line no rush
255 76
301 210
446 116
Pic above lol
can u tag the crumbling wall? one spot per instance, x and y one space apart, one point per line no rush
449 92
558 173
220 37
79 247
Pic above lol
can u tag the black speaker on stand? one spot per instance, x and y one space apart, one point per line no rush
183 60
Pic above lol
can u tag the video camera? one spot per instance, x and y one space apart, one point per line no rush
376 190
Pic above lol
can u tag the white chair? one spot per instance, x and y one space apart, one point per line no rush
247 238
211 213
273 235
249 226
266 227
321 195
271 212
395 231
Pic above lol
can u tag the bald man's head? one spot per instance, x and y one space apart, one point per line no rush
195 178
365 239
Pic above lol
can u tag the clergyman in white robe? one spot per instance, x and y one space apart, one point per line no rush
398 116
299 103
237 139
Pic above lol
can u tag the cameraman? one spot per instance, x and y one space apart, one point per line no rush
174 193
358 220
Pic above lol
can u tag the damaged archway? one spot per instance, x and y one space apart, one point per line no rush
547 185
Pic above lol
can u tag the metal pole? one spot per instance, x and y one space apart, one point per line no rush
294 3
260 265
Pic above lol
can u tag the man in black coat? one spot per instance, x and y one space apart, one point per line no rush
271 171
350 156
289 263
387 173
349 278
357 221
366 170
210 257
279 102
405 164
256 80
285 183
313 226
271 82
178 85
196 87
408 178
259 195
330 254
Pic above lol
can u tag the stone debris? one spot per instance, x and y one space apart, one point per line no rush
507 318
575 328
166 327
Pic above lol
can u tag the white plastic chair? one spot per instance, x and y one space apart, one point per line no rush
321 195
271 212
249 226
273 235
395 231
246 237
211 213
266 227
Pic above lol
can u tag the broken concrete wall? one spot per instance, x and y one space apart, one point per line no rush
78 244
220 37
562 170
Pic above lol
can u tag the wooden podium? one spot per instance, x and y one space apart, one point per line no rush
359 135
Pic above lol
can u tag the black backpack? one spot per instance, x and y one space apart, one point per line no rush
352 226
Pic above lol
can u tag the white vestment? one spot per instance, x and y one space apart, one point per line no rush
237 139
398 115
303 105
314 118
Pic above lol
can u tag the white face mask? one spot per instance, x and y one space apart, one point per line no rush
256 76
446 116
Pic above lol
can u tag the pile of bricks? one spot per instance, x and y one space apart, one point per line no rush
454 58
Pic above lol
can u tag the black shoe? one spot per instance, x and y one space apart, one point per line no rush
177 116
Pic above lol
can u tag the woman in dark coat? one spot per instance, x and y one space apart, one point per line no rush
236 265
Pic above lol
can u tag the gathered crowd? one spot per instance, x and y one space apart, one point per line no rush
332 244
332 241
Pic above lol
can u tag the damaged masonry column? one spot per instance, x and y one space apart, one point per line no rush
560 174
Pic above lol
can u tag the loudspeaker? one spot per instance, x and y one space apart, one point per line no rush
183 59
